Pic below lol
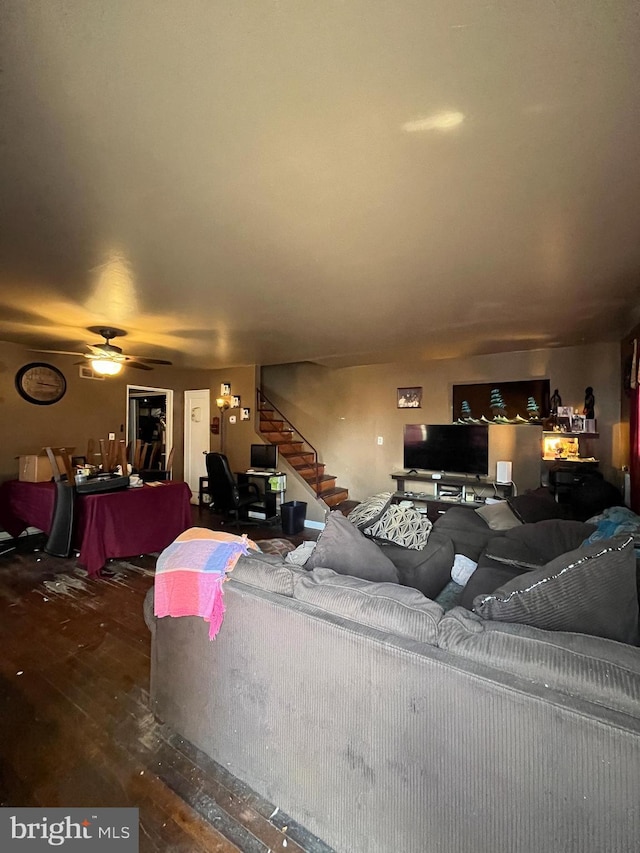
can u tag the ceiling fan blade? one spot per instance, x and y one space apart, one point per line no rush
57 351
138 365
141 358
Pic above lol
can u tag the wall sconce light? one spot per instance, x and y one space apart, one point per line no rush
223 403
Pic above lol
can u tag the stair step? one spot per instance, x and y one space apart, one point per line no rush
335 496
279 437
293 449
267 415
309 471
299 459
326 482
267 425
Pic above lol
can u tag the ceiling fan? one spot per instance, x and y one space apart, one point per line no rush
108 359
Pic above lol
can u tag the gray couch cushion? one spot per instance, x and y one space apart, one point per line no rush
370 510
343 548
467 530
532 507
270 574
147 610
534 545
592 668
387 607
591 590
429 569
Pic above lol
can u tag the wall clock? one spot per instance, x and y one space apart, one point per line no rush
40 383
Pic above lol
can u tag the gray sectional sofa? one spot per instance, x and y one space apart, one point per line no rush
383 723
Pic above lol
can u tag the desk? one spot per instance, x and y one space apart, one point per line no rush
270 500
113 524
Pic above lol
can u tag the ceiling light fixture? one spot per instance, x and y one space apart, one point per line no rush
106 366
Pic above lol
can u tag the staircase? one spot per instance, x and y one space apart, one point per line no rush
299 453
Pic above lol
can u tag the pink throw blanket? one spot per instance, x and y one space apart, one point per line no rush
191 571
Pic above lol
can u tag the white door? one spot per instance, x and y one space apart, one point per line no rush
196 438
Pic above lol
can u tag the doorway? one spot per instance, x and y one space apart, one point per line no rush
150 419
197 437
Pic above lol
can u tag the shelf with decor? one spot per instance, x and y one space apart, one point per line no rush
572 446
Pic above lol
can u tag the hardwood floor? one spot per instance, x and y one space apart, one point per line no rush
75 728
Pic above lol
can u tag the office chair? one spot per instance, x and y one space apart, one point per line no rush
228 496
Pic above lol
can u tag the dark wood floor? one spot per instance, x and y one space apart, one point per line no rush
75 727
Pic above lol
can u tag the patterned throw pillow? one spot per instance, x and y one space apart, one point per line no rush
402 525
370 510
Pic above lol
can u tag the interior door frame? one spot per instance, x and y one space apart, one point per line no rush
156 392
191 453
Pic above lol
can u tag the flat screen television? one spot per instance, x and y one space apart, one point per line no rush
264 457
450 448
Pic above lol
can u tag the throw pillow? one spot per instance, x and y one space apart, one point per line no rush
370 510
531 507
343 548
403 526
591 590
499 516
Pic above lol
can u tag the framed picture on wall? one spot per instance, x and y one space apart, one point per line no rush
245 414
410 398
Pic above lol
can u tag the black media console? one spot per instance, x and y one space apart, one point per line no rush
448 491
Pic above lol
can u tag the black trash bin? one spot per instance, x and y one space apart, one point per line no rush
293 514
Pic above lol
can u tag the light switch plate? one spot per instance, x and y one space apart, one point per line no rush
232 419
112 436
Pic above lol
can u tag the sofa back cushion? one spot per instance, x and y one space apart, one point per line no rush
428 569
534 545
390 608
591 590
343 548
265 572
594 669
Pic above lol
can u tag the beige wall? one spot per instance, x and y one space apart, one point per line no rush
89 409
344 411
341 411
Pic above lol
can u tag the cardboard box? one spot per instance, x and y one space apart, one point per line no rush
36 468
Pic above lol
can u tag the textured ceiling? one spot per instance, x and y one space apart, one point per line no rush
344 181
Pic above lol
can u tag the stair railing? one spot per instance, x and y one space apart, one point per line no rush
261 400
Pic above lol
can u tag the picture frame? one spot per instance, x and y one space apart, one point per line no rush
409 397
225 389
235 402
578 423
245 414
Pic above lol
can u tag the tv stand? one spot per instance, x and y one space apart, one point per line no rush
448 491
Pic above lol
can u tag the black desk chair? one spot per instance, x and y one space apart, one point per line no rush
228 496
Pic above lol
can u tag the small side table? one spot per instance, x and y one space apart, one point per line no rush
203 490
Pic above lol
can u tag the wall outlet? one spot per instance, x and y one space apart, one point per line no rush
380 439
112 436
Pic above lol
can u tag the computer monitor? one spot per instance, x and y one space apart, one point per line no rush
264 457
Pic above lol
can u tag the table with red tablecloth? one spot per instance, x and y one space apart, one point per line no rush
126 523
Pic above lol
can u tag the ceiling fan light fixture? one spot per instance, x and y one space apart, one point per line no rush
106 366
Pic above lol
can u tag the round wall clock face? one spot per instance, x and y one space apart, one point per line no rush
41 383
